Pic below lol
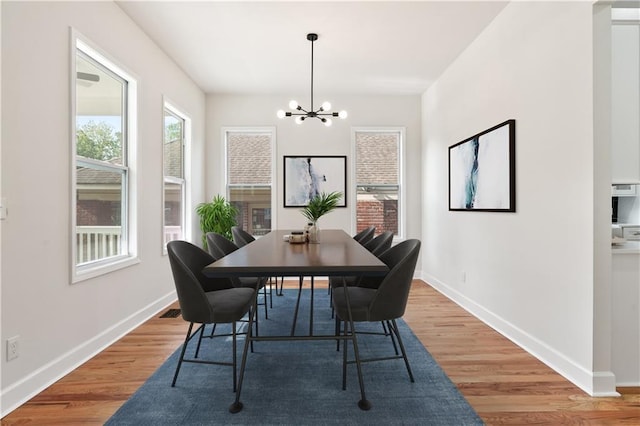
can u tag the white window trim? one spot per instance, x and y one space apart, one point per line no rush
274 180
187 222
95 269
402 177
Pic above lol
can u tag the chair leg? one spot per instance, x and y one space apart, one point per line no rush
387 332
394 328
200 341
264 291
235 374
184 349
344 358
271 291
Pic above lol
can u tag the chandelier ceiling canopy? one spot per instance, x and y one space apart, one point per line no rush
323 113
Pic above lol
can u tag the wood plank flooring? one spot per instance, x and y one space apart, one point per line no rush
504 384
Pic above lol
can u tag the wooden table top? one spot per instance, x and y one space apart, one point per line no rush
336 254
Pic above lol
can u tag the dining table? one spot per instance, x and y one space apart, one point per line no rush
336 254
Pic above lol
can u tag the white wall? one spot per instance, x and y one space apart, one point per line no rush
60 325
313 138
529 274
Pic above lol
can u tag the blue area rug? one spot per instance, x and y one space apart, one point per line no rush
300 382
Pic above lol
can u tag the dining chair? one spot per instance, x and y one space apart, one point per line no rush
242 238
206 300
365 235
219 246
385 303
376 246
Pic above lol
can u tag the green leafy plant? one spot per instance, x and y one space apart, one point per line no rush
218 216
320 205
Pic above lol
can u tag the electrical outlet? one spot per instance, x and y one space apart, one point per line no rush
12 348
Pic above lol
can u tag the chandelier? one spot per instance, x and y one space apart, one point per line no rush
321 113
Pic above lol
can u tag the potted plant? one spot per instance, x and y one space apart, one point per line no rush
218 216
319 206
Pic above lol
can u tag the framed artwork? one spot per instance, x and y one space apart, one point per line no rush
307 176
482 174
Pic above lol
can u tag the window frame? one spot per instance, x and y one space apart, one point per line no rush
129 226
167 104
271 130
402 215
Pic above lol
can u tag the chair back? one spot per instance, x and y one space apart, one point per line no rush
380 244
391 297
187 262
219 246
365 235
241 237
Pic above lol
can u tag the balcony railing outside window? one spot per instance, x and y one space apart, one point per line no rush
100 242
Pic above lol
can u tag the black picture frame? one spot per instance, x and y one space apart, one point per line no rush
306 175
482 171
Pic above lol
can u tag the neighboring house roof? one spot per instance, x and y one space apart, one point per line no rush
249 158
376 158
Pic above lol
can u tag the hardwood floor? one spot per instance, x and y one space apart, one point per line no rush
504 384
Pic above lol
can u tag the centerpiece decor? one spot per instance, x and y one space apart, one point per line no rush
318 206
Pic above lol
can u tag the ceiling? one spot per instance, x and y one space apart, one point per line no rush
377 47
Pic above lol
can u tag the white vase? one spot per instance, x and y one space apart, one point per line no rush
314 233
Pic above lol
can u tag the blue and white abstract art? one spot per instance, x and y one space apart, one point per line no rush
481 171
306 177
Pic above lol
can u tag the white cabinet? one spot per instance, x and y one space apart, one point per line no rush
625 103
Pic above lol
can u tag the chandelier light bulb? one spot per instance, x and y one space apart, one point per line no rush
299 120
326 106
342 114
293 104
328 122
281 114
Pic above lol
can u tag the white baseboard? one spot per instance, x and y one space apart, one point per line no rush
593 383
20 392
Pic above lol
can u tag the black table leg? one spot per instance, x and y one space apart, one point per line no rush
236 406
311 310
295 313
364 404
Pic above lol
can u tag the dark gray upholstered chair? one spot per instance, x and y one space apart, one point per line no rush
385 303
205 300
219 246
365 235
242 238
376 246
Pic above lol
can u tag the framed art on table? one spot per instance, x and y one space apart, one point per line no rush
308 176
482 171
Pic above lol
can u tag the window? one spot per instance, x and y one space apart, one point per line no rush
249 177
174 192
102 156
378 178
